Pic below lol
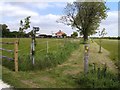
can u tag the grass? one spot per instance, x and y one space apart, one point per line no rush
68 74
61 76
59 50
99 80
99 59
111 46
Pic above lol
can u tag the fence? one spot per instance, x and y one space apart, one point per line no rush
47 45
15 51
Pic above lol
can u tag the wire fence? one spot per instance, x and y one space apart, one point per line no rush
42 46
50 45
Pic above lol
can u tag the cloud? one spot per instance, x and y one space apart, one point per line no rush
12 13
110 24
48 24
112 18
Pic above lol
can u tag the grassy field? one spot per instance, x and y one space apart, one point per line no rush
68 73
112 47
58 51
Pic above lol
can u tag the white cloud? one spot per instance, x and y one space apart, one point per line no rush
15 11
42 5
111 19
47 24
110 24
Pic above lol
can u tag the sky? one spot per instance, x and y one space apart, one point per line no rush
44 14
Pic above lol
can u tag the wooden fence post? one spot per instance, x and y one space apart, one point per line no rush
16 55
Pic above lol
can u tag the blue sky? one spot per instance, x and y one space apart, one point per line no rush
45 14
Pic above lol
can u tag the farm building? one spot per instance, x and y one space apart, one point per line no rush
60 34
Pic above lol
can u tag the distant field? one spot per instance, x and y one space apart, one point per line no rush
111 46
46 55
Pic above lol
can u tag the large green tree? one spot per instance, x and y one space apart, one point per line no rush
84 16
4 30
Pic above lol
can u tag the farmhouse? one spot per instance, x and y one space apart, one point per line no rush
60 34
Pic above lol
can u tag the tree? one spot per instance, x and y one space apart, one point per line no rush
64 35
84 16
101 35
24 24
4 30
74 35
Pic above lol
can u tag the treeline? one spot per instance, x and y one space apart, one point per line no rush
106 37
5 32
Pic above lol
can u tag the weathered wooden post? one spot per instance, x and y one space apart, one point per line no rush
33 43
86 55
16 55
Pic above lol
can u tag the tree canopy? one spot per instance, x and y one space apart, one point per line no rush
84 16
4 30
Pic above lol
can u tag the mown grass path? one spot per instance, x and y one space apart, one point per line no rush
101 58
62 76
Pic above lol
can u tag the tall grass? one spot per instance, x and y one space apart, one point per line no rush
98 80
113 47
57 54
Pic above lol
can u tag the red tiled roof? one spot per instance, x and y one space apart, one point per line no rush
59 33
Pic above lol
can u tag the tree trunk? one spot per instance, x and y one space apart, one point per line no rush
100 46
85 37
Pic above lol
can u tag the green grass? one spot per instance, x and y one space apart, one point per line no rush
55 77
92 80
58 51
101 79
67 73
111 46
